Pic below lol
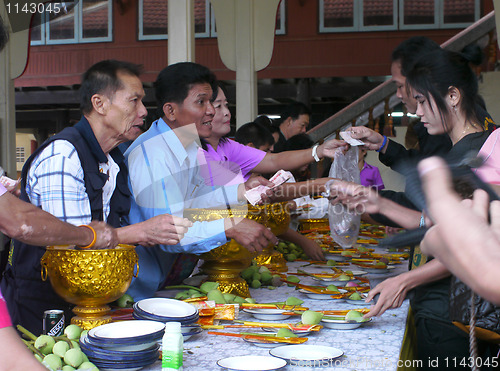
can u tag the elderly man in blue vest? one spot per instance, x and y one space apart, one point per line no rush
78 175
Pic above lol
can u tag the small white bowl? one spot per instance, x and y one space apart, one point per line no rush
342 325
359 302
299 333
243 363
312 295
267 314
337 257
332 281
262 343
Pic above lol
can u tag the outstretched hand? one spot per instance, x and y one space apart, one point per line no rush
164 229
391 293
354 196
328 148
250 234
371 138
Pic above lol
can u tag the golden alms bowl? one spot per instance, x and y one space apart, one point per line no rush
225 263
278 219
90 278
314 224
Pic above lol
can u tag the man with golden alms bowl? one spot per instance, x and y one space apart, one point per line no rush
165 178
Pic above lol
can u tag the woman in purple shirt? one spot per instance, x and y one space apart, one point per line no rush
369 175
225 161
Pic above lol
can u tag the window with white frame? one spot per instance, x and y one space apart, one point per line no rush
84 21
20 154
357 15
153 19
382 15
438 14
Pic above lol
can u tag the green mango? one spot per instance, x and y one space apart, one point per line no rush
354 315
256 276
208 286
228 297
292 279
256 284
266 277
216 296
331 263
291 257
285 333
182 295
239 300
332 288
263 269
310 317
292 300
344 277
355 296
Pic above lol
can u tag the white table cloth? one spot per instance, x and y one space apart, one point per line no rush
373 346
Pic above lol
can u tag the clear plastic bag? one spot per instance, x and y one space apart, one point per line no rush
344 224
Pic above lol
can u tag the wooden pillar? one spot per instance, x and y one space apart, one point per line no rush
180 31
13 59
303 92
245 36
246 75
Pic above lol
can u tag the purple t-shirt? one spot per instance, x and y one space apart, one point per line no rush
230 164
370 177
2 189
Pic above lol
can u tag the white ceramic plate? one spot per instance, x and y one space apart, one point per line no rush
306 352
331 281
358 302
164 307
358 273
337 257
379 270
312 295
126 329
267 314
261 343
299 333
342 325
325 268
251 363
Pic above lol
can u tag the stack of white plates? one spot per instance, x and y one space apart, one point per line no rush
128 345
166 310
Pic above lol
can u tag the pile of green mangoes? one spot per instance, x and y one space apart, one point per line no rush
259 276
211 291
291 251
59 352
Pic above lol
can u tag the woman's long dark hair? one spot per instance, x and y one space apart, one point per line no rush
436 72
218 84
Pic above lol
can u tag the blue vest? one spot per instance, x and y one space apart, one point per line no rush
26 294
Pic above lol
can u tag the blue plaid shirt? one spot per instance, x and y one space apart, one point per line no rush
164 178
55 183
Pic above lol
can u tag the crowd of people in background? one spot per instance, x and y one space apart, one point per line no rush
82 187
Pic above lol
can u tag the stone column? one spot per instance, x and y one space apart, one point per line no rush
180 31
245 35
12 63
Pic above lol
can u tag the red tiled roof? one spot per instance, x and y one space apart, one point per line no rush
372 8
155 13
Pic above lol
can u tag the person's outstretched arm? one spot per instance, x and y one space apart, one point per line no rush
462 239
27 223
